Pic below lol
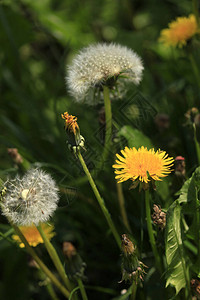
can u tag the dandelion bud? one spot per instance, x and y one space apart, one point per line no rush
74 266
195 285
191 114
102 64
14 154
31 199
180 166
75 140
162 122
132 268
159 217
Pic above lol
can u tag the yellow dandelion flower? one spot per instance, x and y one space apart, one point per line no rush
33 236
142 165
179 31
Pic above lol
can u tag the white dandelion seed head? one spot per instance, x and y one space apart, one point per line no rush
95 64
32 199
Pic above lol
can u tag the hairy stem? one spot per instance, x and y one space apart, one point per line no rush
100 200
150 232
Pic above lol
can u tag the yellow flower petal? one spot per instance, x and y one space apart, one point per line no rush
137 164
179 31
33 236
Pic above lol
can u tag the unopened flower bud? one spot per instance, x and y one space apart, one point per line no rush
74 266
159 217
179 166
74 139
14 154
132 268
195 285
162 122
191 114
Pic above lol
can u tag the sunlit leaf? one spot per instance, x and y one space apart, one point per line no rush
178 268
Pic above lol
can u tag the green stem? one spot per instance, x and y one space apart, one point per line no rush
82 289
150 232
51 292
100 200
195 4
122 206
43 267
134 290
197 146
197 232
55 258
108 134
195 69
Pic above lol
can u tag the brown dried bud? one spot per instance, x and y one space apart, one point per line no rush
191 113
195 285
179 166
69 250
127 246
159 217
74 266
33 264
16 157
132 268
162 121
197 120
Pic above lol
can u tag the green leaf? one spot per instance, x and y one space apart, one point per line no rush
135 138
178 269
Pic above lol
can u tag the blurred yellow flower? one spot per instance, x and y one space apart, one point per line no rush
33 236
179 31
142 165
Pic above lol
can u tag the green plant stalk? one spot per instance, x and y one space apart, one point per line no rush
197 232
55 258
150 232
134 290
122 206
197 146
42 266
82 289
195 68
51 292
195 4
108 134
48 285
100 200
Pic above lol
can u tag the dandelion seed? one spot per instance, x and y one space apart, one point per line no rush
142 165
32 199
180 31
33 236
102 64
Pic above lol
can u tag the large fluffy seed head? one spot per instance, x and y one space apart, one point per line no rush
32 199
96 64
